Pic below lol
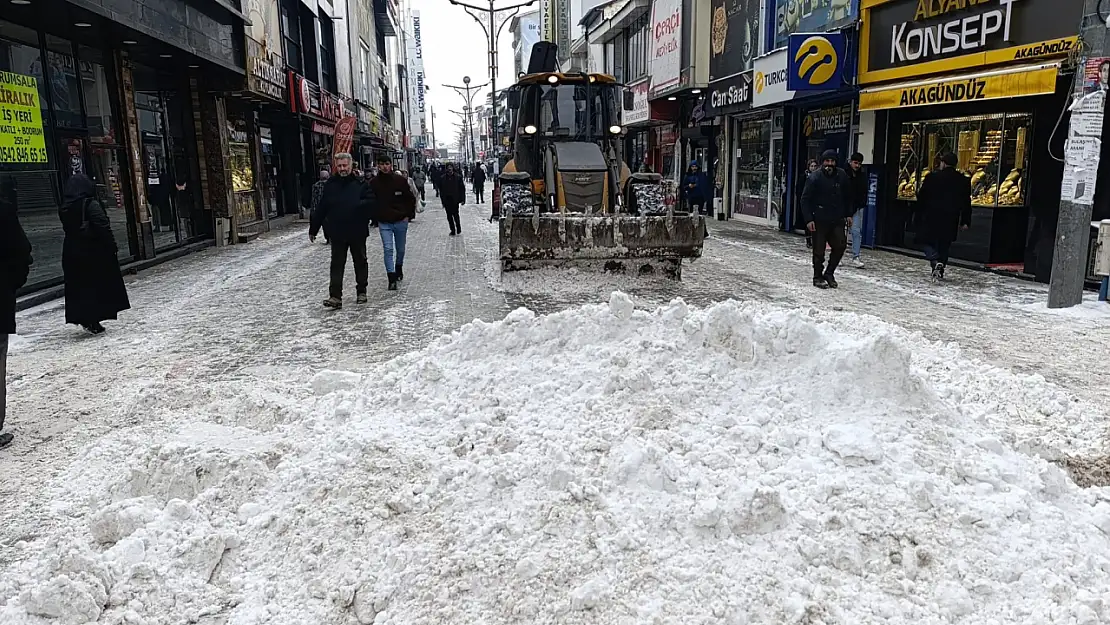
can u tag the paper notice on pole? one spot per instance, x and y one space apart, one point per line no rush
1078 185
1079 151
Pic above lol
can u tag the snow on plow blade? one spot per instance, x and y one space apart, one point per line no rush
642 244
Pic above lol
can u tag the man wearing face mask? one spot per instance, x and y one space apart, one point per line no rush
827 208
347 203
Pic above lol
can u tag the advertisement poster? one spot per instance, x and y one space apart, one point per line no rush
734 37
1096 74
344 136
666 44
1083 149
21 137
809 16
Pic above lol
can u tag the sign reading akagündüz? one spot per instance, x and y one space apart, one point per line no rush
905 34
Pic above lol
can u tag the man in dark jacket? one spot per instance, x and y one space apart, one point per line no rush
827 209
695 189
15 265
396 206
478 176
860 186
452 192
346 204
944 208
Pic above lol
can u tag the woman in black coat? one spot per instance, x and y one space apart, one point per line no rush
94 285
15 264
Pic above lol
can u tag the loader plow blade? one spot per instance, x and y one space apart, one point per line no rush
626 243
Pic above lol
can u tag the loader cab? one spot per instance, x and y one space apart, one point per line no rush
558 107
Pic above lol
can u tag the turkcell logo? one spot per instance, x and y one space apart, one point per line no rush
764 79
816 61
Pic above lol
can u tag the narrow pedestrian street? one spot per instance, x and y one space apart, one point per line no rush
232 341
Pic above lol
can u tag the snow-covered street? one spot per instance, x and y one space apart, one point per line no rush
231 453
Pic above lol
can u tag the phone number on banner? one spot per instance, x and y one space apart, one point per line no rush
21 136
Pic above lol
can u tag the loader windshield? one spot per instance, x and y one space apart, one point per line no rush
575 111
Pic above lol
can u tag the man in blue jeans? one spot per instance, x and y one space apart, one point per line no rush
396 205
859 205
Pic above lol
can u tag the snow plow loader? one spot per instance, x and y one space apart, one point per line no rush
567 197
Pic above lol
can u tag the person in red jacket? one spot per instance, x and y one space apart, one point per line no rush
15 265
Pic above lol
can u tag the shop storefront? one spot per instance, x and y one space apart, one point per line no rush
319 111
64 121
745 166
641 145
267 85
992 99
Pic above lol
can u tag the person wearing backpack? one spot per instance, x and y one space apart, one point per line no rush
94 289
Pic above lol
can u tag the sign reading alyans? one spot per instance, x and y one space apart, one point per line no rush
904 38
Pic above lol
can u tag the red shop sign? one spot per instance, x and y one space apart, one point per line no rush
307 98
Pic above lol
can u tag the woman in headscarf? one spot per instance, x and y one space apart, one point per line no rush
94 288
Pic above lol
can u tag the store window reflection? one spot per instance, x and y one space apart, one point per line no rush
32 187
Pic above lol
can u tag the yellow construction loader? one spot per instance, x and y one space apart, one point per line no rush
567 197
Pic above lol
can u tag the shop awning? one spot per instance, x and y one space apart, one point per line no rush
1011 82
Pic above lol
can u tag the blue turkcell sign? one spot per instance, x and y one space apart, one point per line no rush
816 61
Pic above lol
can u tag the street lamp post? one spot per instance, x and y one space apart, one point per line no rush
468 130
497 18
467 92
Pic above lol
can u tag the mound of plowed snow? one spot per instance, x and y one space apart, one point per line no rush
740 464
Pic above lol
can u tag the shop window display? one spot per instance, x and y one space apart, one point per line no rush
752 167
993 150
247 206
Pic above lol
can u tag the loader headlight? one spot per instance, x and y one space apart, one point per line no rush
615 129
553 79
530 130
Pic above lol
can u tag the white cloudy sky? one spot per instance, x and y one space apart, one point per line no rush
455 46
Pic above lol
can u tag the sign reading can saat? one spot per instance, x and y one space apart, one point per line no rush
906 38
21 137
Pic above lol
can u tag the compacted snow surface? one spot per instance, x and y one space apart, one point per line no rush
740 464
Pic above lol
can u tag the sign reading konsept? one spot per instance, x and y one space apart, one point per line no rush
906 38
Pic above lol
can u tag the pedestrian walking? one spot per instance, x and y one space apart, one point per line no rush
420 178
799 215
317 191
94 289
436 174
478 177
15 266
453 194
827 209
415 192
396 207
346 204
859 203
695 189
943 210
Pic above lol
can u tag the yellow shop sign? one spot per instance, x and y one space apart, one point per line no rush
1009 83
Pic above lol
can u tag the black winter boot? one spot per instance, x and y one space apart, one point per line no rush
400 272
392 281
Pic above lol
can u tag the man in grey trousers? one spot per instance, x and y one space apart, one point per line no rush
15 265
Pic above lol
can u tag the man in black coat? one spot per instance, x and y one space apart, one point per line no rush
478 176
15 265
453 194
944 208
347 203
827 210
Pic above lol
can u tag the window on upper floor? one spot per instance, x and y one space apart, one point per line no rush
636 49
291 35
327 54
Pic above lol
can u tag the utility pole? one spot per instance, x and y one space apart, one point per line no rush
435 148
1073 227
496 18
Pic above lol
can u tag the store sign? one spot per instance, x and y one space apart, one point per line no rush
815 61
904 38
416 35
733 37
770 80
420 92
962 89
827 121
344 136
264 74
641 107
805 16
307 98
21 137
547 20
730 96
666 45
